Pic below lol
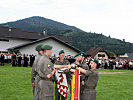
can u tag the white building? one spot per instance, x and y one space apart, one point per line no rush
29 48
16 40
98 53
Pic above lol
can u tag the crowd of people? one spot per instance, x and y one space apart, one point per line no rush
115 64
17 59
47 69
26 60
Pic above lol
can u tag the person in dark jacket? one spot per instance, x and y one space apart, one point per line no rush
19 60
2 57
25 61
14 60
32 58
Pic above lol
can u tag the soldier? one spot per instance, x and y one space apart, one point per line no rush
34 73
80 61
45 72
61 61
89 92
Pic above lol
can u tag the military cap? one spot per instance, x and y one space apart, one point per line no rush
46 47
94 60
77 54
83 54
62 51
38 47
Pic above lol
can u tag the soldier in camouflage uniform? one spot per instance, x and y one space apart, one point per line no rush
89 92
83 77
45 72
34 73
62 61
80 61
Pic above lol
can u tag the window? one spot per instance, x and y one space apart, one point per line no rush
101 55
5 40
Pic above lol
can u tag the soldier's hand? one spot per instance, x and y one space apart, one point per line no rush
77 63
33 84
54 70
83 83
73 65
68 66
72 70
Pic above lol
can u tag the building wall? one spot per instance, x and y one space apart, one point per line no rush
57 46
125 55
102 53
11 43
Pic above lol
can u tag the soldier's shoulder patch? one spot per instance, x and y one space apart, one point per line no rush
48 65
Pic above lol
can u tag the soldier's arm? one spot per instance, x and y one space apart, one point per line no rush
86 72
61 66
86 67
33 73
82 70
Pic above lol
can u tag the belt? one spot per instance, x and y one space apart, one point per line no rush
48 79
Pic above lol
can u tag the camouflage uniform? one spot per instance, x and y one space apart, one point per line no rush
83 77
45 86
34 71
89 92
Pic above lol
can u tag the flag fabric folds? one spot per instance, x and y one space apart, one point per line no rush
62 82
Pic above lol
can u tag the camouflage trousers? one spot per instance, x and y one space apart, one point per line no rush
44 90
37 88
89 94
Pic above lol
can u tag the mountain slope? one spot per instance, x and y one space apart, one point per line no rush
38 24
84 41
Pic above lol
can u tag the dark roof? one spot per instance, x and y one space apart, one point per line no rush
17 33
55 38
93 51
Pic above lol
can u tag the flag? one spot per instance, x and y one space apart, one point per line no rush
72 87
77 85
62 82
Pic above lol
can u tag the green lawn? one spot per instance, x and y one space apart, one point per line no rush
15 84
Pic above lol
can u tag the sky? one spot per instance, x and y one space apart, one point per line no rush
109 17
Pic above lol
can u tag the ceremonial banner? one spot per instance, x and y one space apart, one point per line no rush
77 85
72 87
62 82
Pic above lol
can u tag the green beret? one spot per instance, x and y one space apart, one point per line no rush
77 54
94 60
62 51
38 47
46 47
83 54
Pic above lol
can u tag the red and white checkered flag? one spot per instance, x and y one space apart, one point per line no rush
62 82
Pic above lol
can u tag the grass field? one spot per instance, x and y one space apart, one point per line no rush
15 84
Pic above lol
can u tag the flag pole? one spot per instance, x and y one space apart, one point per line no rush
76 96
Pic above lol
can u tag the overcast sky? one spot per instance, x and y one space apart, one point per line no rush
110 17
